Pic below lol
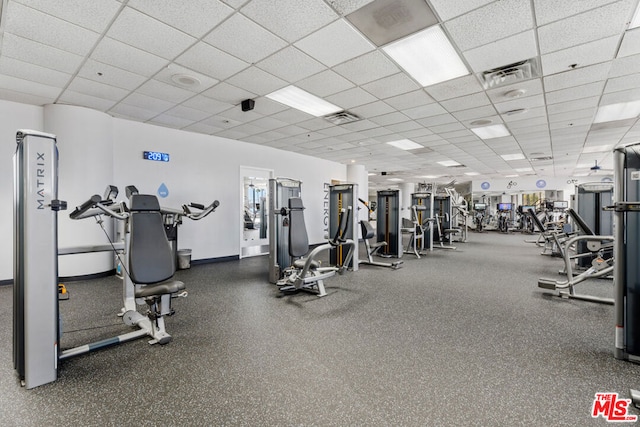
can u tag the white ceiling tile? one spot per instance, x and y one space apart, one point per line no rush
194 17
571 115
373 109
187 113
622 96
530 87
391 86
593 25
147 102
351 98
471 30
267 107
579 104
465 102
225 92
109 75
448 9
321 45
257 81
164 91
24 98
389 119
46 29
236 114
235 3
518 103
454 88
630 43
291 65
269 123
132 112
96 89
93 15
427 110
551 10
143 32
244 39
445 129
344 7
202 128
290 19
75 98
211 61
409 100
475 113
577 77
503 52
623 83
582 55
170 121
325 83
121 55
290 115
168 73
625 66
206 104
39 54
576 92
367 68
28 87
32 72
437 120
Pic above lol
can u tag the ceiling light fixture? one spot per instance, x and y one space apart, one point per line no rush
635 21
621 111
395 179
429 176
185 80
493 131
523 169
481 122
517 156
449 163
428 56
405 144
304 101
512 176
515 93
472 173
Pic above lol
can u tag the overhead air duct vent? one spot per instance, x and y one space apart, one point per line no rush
540 159
342 118
509 74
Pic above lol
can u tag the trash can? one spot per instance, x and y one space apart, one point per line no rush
184 259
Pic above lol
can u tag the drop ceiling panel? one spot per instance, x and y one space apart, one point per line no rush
577 77
409 100
298 65
46 29
121 55
194 17
530 87
325 83
147 103
579 104
132 112
391 86
351 98
161 90
625 66
576 92
32 72
188 113
143 32
206 104
551 10
290 19
373 109
367 68
225 92
170 72
75 98
465 102
582 55
505 51
528 102
475 113
211 61
454 88
593 25
428 110
39 54
471 30
109 75
171 121
25 98
257 81
344 7
448 9
94 15
623 96
335 43
99 90
622 83
630 43
244 39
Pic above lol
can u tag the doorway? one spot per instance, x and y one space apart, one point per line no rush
254 235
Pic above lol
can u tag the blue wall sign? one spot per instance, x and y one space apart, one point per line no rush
541 183
163 191
485 185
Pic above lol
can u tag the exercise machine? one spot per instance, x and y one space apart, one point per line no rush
306 273
343 200
505 211
388 223
479 210
590 201
368 232
280 191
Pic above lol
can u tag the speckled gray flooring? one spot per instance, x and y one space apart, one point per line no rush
460 338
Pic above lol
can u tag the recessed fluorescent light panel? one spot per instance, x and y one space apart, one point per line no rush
299 99
449 163
472 173
405 144
395 179
493 131
428 56
509 157
523 169
621 111
428 176
511 176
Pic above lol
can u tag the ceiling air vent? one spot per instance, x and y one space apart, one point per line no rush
342 118
509 74
540 159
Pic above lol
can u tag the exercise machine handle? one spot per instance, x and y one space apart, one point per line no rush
205 210
79 210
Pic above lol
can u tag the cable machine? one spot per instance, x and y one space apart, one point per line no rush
424 203
590 199
341 197
388 223
280 191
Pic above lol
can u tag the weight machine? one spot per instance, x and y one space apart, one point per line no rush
388 223
280 191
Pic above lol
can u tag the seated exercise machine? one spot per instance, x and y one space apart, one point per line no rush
145 255
306 273
550 239
416 229
368 232
596 248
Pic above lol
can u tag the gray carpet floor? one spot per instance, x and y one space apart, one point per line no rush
457 338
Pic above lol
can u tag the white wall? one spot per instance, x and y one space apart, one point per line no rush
202 168
13 116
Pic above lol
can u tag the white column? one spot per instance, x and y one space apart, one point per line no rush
85 146
407 188
357 174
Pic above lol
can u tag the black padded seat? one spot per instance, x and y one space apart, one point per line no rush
299 263
168 287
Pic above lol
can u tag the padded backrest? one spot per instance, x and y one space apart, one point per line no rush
580 222
536 220
298 238
151 259
367 230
